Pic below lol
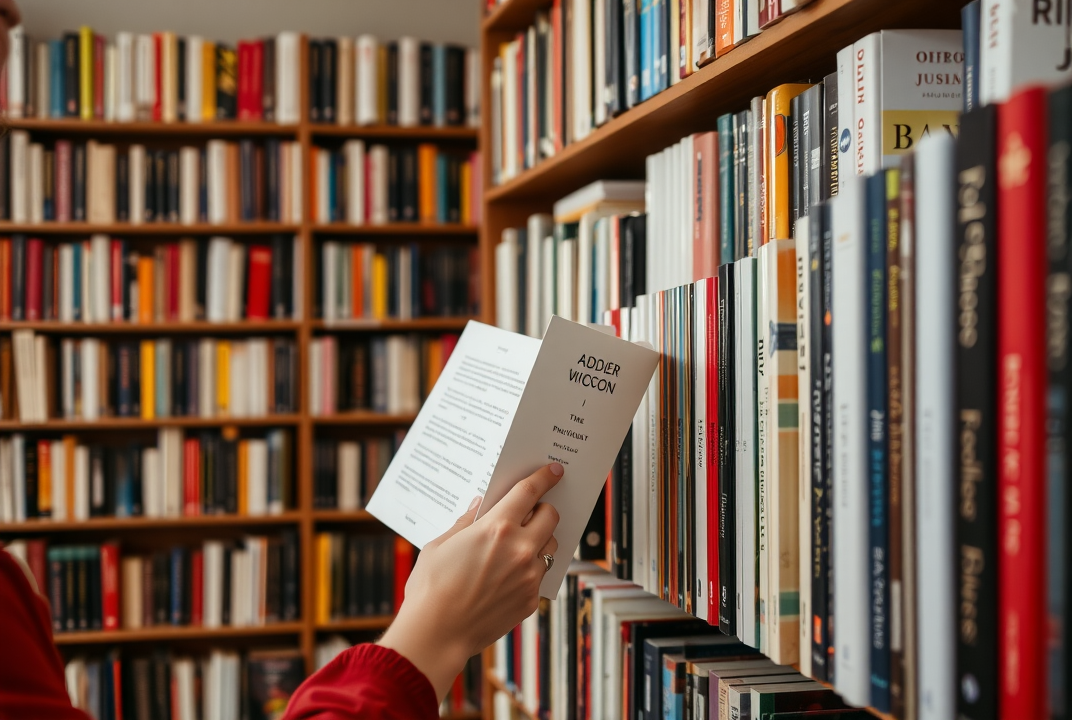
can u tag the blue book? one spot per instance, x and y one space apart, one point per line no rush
970 21
56 90
332 187
727 207
178 590
660 28
647 49
673 702
442 181
76 271
439 85
93 688
877 462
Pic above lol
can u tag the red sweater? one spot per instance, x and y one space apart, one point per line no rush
364 683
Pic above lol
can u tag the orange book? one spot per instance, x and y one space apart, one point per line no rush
147 372
434 362
5 279
233 179
426 181
323 577
724 10
223 376
357 266
243 477
379 286
44 478
208 81
145 289
69 445
464 179
779 186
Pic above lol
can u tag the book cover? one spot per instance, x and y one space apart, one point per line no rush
1025 42
727 525
778 185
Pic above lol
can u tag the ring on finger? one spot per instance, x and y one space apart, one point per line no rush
548 561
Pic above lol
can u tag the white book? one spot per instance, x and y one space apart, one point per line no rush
80 511
136 168
607 591
355 181
87 284
601 269
766 265
509 112
288 95
25 372
7 482
212 587
240 588
36 181
144 77
344 86
936 486
59 480
131 573
566 280
531 149
102 277
91 396
68 348
367 79
530 668
237 402
189 184
219 254
124 106
257 502
151 483
323 173
111 82
258 360
539 227
206 373
18 470
66 280
745 342
846 88
582 66
349 475
194 78
100 183
852 647
495 85
16 72
236 271
316 403
506 281
20 166
216 156
329 259
171 463
1024 43
699 435
42 77
804 494
378 178
409 82
297 173
472 87
638 332
548 291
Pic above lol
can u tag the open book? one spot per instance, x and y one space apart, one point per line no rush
504 406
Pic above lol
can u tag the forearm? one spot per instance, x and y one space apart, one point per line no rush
421 641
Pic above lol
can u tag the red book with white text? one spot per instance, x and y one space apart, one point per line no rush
711 451
197 587
109 573
117 279
258 285
1022 377
191 481
403 567
34 275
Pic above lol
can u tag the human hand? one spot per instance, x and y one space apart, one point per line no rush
477 581
9 18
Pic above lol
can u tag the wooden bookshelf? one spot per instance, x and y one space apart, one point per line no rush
199 327
343 516
363 418
164 633
161 130
494 685
114 423
415 229
429 133
373 622
108 524
441 324
147 229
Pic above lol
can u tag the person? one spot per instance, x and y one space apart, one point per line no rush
468 588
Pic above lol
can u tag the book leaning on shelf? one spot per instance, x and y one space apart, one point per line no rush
183 475
158 77
217 183
104 280
250 582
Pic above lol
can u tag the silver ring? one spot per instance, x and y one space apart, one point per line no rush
548 561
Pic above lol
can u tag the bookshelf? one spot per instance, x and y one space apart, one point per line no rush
307 521
801 46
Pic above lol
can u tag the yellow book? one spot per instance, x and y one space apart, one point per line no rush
435 362
777 129
147 371
208 81
379 286
69 445
243 477
465 178
323 578
44 478
85 72
223 376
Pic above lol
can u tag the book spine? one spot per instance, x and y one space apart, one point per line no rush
971 27
109 585
727 526
894 439
726 189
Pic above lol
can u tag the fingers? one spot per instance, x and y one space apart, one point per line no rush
10 13
523 497
461 523
542 524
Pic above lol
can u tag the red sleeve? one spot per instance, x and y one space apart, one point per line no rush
31 670
367 682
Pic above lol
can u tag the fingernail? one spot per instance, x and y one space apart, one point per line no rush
473 505
556 469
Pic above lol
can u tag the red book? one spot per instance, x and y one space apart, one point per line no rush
403 567
99 45
191 481
63 181
158 88
197 587
457 695
705 252
1022 139
449 343
3 90
711 451
770 12
109 574
255 94
5 279
37 559
117 684
245 69
34 276
171 266
117 279
258 286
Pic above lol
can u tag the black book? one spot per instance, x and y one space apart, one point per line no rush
225 613
454 189
78 182
593 541
160 185
5 174
83 589
338 204
209 463
70 588
201 281
135 381
319 479
392 83
226 83
408 184
122 187
622 510
273 184
247 202
727 485
202 188
134 463
181 70
315 52
31 481
338 572
812 137
172 160
291 581
18 277
613 82
161 685
543 35
976 526
150 187
268 89
355 582
49 200
329 55
281 275
394 195
796 167
227 479
161 588
273 595
179 365
632 258
742 228
47 283
56 579
71 77
818 349
386 575
370 579
455 90
95 610
427 82
828 171
630 51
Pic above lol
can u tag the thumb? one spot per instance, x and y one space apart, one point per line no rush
467 519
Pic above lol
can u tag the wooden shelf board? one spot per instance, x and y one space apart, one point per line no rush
326 516
147 523
419 132
179 129
499 686
512 15
58 425
165 229
463 715
430 323
802 46
422 229
168 328
375 622
165 633
363 418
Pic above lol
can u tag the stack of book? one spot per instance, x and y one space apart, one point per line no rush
360 575
161 77
90 379
104 280
204 473
837 342
218 183
360 281
390 184
346 472
96 587
159 686
390 374
406 82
